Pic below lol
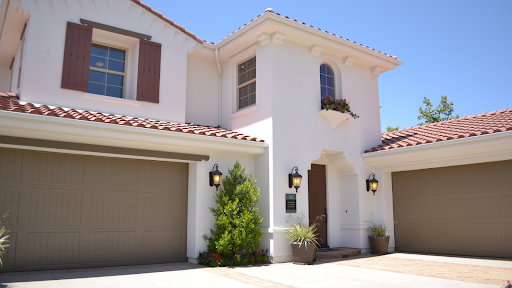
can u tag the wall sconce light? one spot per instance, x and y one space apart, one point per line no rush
294 179
215 177
372 183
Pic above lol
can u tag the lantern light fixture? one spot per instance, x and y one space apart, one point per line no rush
372 183
215 177
294 179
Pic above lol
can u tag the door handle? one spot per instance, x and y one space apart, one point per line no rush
325 215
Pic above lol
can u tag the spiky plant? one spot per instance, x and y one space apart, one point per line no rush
300 233
3 242
377 229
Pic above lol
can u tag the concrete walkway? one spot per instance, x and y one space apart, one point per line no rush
394 270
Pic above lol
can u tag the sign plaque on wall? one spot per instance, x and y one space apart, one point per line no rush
291 203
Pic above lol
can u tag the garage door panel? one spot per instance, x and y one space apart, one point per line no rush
9 206
44 207
158 176
492 239
45 168
120 174
165 209
407 183
470 208
491 207
164 245
413 237
416 209
111 246
451 239
44 249
10 165
110 209
450 209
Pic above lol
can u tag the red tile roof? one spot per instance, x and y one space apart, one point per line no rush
327 32
486 123
159 15
10 102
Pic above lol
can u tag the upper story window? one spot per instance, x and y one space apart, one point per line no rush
326 81
107 71
247 83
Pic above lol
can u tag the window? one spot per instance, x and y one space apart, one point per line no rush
107 71
247 83
326 81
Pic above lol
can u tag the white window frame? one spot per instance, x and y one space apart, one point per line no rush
333 79
125 74
244 55
247 83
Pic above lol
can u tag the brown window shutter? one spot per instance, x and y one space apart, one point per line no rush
77 57
148 81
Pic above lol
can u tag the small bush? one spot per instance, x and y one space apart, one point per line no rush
215 260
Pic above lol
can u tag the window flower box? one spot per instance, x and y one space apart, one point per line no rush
336 111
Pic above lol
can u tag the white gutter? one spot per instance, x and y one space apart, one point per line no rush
220 86
78 131
470 150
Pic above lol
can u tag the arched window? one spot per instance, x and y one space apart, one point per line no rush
326 81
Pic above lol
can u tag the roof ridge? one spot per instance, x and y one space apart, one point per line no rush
169 21
303 23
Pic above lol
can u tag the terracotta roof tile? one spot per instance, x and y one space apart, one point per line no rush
327 32
476 125
10 102
159 15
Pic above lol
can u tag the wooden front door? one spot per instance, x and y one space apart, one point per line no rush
318 201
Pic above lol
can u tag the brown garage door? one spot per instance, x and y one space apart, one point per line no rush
70 211
462 210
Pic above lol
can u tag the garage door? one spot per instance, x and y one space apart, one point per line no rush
71 211
462 210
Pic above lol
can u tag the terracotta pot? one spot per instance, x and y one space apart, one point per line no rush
304 255
379 244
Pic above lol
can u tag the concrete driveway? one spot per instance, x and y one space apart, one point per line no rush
393 270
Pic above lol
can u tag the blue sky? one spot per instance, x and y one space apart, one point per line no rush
461 49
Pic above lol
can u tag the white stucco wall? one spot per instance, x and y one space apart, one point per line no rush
202 88
43 57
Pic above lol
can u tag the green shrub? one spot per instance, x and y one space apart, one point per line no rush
237 230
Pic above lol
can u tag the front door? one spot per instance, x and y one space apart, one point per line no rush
318 201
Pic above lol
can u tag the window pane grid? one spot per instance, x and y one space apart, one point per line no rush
247 77
326 81
107 59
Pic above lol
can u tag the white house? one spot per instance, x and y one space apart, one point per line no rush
82 192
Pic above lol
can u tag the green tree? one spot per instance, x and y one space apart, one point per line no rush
237 228
443 112
391 129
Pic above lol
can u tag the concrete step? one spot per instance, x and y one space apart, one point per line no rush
329 253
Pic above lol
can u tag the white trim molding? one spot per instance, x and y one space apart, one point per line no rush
315 50
244 111
112 99
376 70
463 151
87 132
348 61
278 38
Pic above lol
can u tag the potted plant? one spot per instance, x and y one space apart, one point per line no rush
379 239
303 239
340 105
